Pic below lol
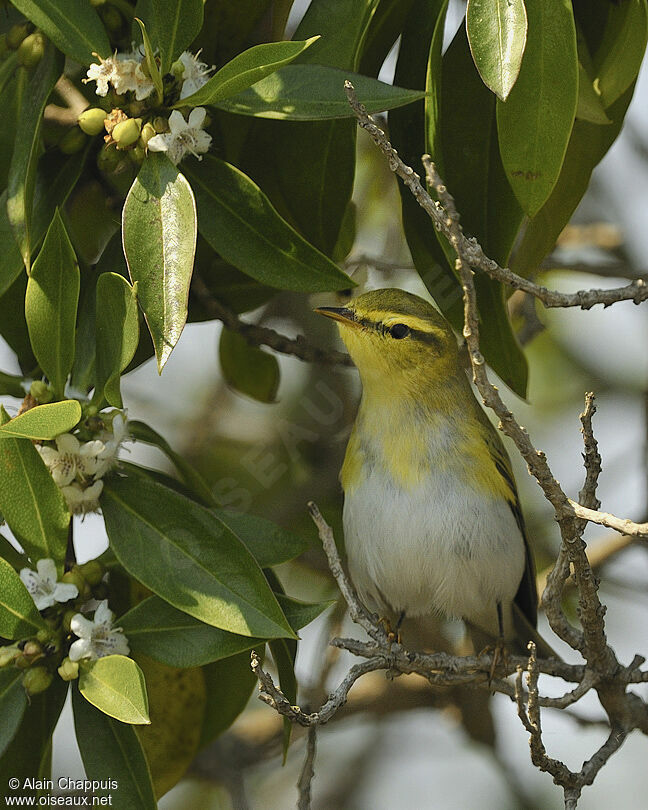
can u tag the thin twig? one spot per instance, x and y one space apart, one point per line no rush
308 771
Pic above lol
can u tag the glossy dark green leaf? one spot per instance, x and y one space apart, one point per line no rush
244 70
51 305
619 58
56 176
144 433
43 421
590 107
28 755
151 63
13 702
497 32
117 334
11 385
229 684
19 618
240 223
587 146
535 122
385 27
247 368
14 557
173 25
13 326
216 579
31 503
314 93
73 27
22 171
159 233
284 652
268 543
115 685
155 628
111 749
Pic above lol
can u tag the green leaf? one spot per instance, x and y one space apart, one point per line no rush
22 171
387 23
11 385
497 31
240 223
73 27
157 629
115 685
145 433
619 58
43 421
535 122
51 305
159 233
13 326
31 503
315 93
268 543
28 756
13 702
151 63
18 615
244 70
589 107
215 579
587 145
117 334
15 558
229 684
284 652
174 24
248 369
111 749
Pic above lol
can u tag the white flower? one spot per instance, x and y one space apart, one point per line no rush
112 440
44 588
185 136
124 71
80 500
97 637
195 74
71 459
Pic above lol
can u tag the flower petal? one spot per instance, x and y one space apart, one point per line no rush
197 117
176 123
80 649
47 569
64 591
81 626
103 614
67 443
158 143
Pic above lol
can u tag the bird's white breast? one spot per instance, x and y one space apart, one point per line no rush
441 546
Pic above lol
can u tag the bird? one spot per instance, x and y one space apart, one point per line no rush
432 519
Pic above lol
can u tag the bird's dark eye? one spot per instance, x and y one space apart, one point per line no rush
399 331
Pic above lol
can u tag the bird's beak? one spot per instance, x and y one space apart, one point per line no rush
341 314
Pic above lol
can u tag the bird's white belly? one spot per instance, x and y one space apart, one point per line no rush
441 547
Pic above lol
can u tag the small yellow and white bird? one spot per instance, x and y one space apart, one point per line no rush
432 520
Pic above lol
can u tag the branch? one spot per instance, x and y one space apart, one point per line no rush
469 249
263 336
308 771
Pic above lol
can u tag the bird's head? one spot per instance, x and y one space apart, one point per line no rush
396 338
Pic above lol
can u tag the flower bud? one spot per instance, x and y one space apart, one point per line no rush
31 50
36 680
137 154
92 571
75 577
16 35
69 670
32 650
73 141
148 132
127 132
92 121
44 636
8 654
67 619
177 69
161 124
108 159
40 391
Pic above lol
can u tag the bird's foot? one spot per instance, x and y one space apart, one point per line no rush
393 636
500 653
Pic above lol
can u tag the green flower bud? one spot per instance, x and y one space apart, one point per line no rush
161 124
8 654
44 636
137 154
32 650
67 618
148 132
127 132
113 20
36 680
41 392
177 69
31 50
92 571
16 35
108 159
75 577
73 141
69 670
92 121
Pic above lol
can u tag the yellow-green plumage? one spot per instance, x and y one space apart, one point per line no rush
432 519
